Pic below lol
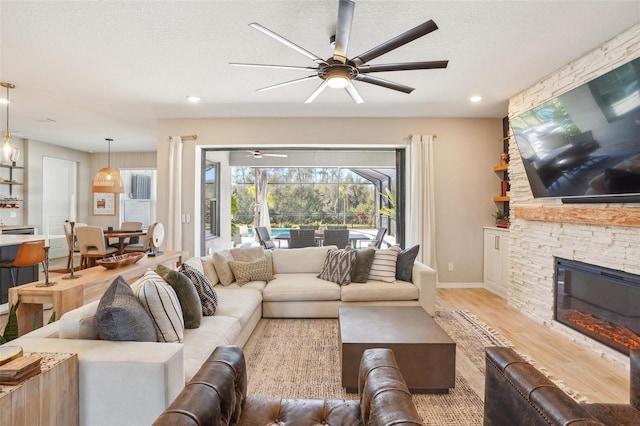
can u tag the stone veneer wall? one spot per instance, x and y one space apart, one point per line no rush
534 244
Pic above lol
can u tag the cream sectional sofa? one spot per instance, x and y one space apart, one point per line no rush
131 383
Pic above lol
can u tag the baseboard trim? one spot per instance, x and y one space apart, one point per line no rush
461 285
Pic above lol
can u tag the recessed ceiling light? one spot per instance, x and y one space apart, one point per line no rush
475 98
193 99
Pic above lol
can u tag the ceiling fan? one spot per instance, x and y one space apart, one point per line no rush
259 154
338 71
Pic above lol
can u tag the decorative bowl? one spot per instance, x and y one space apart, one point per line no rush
114 262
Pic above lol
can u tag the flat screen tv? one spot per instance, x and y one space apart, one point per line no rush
584 145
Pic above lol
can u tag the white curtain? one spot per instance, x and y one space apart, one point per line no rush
174 231
421 221
261 217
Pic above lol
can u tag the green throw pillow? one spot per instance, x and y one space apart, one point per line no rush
251 271
362 266
187 295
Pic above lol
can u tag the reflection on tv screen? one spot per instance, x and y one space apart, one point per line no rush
585 142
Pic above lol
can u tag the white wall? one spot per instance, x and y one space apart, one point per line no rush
465 152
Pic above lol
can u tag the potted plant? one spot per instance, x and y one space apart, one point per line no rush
502 219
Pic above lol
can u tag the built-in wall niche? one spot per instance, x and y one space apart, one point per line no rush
11 194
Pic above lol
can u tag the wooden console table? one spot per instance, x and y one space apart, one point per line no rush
50 398
67 295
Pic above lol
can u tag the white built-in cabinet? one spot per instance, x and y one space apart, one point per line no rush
496 260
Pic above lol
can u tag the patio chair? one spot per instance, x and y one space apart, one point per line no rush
337 237
265 238
377 243
302 238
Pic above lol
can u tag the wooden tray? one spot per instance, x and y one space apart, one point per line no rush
120 260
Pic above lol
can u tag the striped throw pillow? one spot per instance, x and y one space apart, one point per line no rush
383 267
161 302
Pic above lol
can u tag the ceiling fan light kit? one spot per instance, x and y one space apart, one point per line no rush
339 71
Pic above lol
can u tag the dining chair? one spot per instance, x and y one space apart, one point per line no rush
30 253
302 238
377 242
265 238
92 245
127 226
72 245
145 245
336 237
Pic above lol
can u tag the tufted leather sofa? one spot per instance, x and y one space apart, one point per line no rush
516 393
217 395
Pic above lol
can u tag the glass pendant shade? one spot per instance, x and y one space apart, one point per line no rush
108 179
10 152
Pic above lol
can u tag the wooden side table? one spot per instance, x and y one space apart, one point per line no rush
50 398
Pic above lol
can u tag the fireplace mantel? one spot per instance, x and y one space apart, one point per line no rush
604 216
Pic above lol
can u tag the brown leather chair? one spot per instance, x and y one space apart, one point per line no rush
30 253
217 395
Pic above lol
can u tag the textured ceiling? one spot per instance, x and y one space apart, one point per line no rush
86 70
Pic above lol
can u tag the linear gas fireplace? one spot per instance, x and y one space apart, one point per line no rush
601 303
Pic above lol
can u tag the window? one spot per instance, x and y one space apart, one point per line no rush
138 202
210 201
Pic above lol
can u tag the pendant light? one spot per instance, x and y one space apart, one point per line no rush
10 152
108 179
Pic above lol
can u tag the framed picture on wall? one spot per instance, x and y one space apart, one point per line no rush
104 204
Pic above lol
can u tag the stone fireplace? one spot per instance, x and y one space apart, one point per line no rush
601 303
605 235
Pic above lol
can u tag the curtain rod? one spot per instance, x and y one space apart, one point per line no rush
190 137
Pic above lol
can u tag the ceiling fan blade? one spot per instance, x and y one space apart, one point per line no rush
343 30
287 43
286 83
384 83
317 92
275 155
405 66
351 90
285 67
394 43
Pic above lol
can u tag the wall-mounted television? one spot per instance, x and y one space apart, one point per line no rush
584 145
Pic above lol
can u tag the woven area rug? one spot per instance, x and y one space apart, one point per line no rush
300 358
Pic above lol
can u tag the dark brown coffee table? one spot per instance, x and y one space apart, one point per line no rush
425 354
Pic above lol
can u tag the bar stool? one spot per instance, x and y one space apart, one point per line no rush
30 253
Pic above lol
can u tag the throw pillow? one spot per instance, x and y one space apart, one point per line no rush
337 266
383 267
362 265
251 271
187 295
247 254
209 269
120 316
160 300
207 293
404 264
221 261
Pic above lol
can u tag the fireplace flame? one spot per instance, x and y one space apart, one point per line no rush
619 335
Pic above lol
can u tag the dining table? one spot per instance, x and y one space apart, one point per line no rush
122 235
354 237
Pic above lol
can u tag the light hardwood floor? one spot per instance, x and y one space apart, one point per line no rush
589 375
